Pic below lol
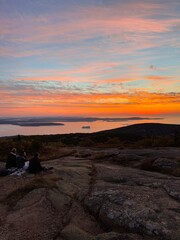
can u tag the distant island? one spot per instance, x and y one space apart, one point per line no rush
55 121
38 124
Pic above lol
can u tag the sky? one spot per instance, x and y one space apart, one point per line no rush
89 58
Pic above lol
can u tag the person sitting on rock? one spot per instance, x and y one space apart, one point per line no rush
11 160
21 159
35 165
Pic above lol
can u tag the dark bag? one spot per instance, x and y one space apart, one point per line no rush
4 172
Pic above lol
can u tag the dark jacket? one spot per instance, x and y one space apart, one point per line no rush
20 161
35 165
11 161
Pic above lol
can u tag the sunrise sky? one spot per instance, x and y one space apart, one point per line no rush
89 57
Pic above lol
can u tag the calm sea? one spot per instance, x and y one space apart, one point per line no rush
75 127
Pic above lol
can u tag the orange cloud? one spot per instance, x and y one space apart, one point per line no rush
163 83
164 78
119 80
93 104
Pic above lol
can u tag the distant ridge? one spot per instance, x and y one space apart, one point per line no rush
50 121
144 130
143 134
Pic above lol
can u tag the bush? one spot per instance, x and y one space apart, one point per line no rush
147 164
162 141
87 142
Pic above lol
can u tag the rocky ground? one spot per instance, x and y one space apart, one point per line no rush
94 194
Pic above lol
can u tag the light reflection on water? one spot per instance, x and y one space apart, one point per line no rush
74 127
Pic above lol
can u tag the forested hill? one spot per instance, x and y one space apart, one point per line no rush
144 130
137 135
166 134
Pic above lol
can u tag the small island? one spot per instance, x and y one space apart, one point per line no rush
86 127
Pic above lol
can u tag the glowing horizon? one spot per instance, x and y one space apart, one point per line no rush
89 58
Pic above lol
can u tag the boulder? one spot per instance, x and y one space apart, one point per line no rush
138 204
173 189
165 164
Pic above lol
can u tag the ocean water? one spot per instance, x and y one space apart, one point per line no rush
76 127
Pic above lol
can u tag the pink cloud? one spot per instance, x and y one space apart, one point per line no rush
122 28
88 72
86 22
14 52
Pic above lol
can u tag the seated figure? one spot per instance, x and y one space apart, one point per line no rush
11 160
21 159
35 165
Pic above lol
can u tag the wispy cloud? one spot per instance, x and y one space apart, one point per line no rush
119 54
161 78
117 23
